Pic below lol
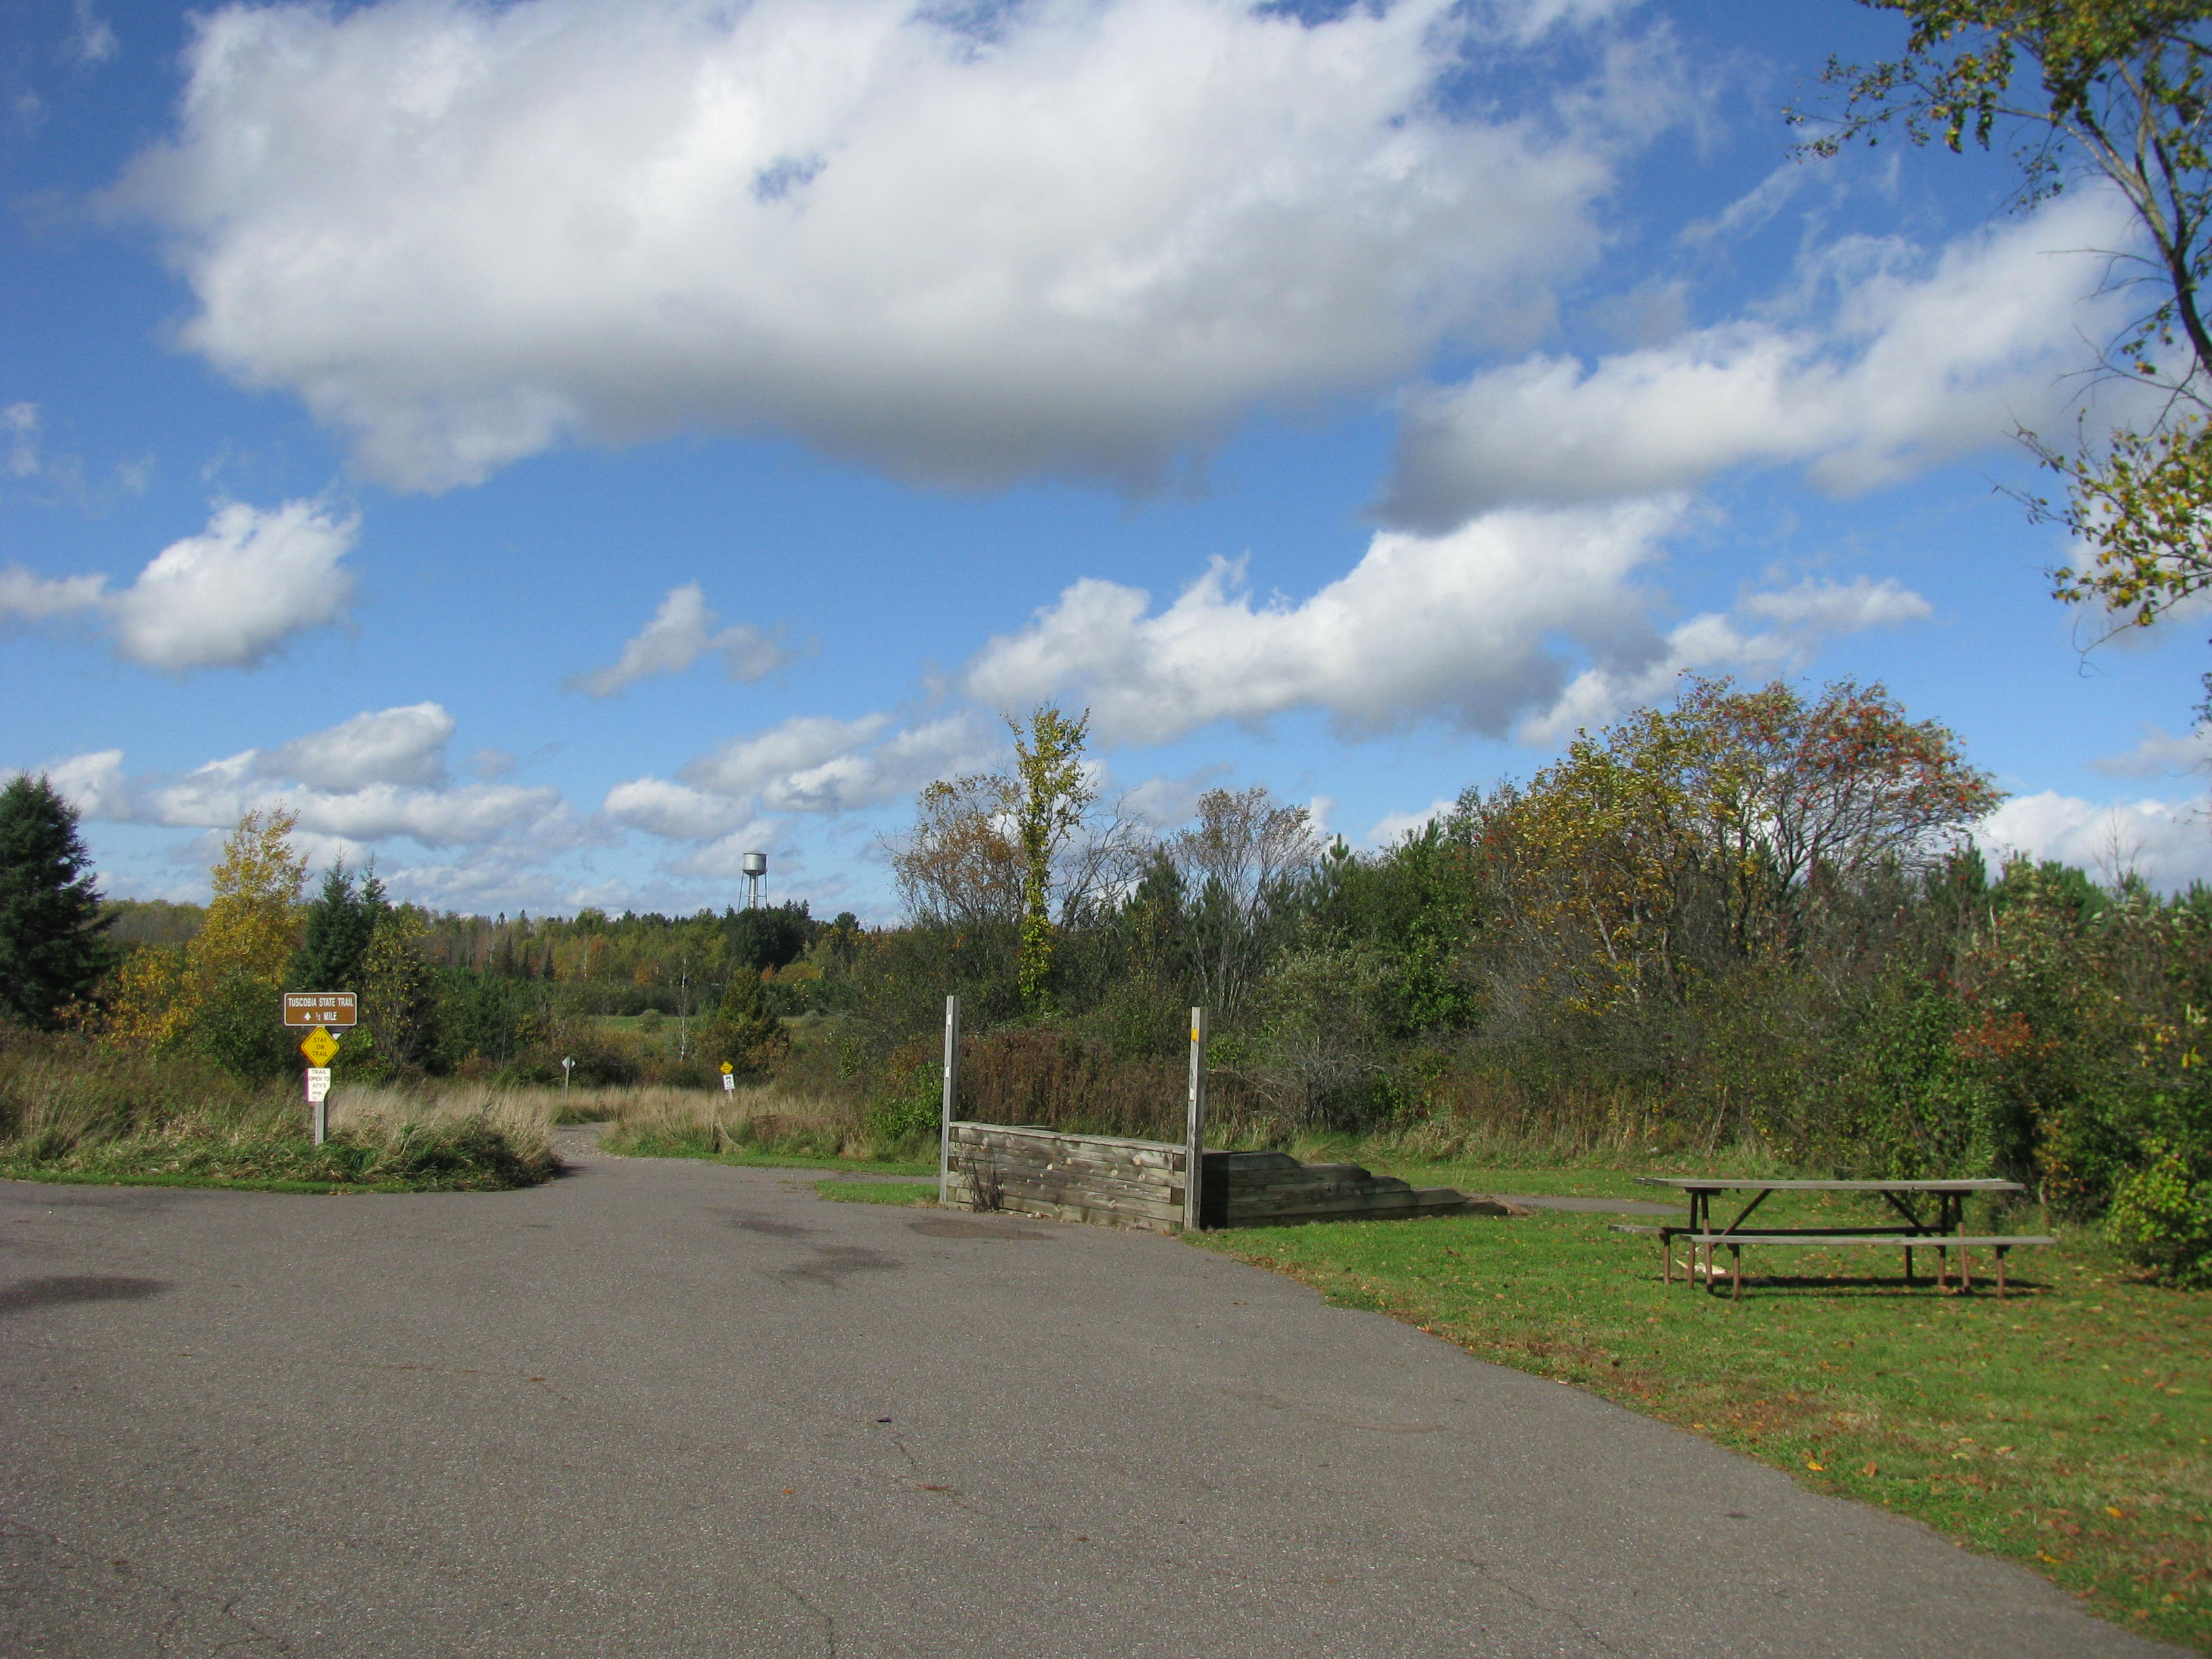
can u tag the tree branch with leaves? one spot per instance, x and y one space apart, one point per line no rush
2116 91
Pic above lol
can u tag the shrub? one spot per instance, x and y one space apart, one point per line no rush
911 1100
2161 1220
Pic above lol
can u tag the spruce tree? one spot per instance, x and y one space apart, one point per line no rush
52 948
340 924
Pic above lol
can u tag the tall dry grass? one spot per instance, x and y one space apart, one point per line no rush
767 1118
72 1108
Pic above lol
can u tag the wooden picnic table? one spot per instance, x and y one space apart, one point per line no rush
1943 1229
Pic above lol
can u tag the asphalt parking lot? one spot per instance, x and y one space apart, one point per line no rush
669 1408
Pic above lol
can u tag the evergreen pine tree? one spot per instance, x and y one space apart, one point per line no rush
51 951
340 924
742 1030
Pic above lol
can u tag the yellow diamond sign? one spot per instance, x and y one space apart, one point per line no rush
318 1046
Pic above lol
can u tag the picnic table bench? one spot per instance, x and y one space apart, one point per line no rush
1943 1230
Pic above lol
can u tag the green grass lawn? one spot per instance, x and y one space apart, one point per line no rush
2068 1427
876 1192
755 1157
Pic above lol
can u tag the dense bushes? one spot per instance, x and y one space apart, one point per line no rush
2161 1216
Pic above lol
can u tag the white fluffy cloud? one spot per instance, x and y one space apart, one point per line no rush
2168 843
2158 753
393 745
809 764
376 777
215 795
1461 627
94 784
966 247
230 596
27 597
681 632
1913 366
1799 618
1393 827
675 810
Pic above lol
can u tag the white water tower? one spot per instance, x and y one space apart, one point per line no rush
754 866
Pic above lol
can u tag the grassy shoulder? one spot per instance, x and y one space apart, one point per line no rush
464 1156
758 1157
230 1183
2068 1427
75 1111
906 1193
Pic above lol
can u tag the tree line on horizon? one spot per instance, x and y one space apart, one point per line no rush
1753 921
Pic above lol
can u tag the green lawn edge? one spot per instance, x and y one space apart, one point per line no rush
872 1192
1813 1382
746 1157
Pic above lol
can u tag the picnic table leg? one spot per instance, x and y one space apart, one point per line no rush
2001 1256
1736 1272
1908 1266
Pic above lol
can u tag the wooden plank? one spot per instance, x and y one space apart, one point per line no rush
1165 1215
1317 1196
1166 1211
1100 1219
1061 1135
1079 1157
1390 1211
1092 1192
1023 1158
1403 1196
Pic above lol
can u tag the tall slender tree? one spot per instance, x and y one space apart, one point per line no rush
52 950
1055 794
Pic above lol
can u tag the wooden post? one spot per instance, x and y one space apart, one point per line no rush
1194 1173
951 1097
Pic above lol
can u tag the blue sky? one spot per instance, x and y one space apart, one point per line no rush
556 448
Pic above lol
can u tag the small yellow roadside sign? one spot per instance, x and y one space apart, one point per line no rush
318 1046
728 1068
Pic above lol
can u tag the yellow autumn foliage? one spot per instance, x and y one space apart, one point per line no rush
252 929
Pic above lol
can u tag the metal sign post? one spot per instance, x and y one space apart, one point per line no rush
950 1100
321 1010
567 1066
1194 1170
318 1088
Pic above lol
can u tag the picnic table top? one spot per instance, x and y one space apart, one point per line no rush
1715 1184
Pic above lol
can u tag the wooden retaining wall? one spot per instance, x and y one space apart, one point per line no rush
1140 1183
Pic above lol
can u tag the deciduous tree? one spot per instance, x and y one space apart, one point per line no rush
2109 90
1054 795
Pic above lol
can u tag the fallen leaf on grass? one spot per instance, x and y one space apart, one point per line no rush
1870 1471
1820 1469
2114 1513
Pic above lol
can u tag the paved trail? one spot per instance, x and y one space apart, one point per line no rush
664 1408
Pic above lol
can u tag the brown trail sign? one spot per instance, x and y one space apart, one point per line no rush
320 1008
